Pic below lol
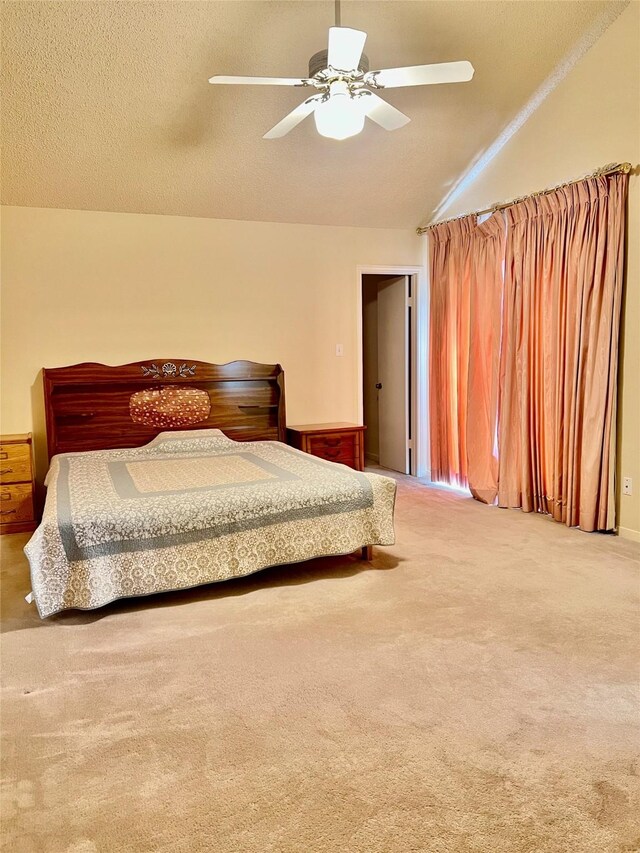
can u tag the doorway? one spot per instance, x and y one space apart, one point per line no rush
388 358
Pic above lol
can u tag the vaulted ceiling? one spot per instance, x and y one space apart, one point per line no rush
107 105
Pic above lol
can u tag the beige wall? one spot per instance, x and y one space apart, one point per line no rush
114 288
592 118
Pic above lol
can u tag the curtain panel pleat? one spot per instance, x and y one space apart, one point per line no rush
466 291
485 302
448 349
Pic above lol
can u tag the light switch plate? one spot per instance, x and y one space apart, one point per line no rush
627 486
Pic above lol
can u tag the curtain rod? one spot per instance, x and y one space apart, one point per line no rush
610 169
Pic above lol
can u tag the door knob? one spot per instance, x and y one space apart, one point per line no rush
378 385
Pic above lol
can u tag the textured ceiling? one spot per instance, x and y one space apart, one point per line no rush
107 105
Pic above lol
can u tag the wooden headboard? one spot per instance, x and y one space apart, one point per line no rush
98 407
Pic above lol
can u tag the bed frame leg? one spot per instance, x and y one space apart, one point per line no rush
367 553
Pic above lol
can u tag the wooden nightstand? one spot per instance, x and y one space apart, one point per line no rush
16 484
337 442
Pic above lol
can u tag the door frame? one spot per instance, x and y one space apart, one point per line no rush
421 462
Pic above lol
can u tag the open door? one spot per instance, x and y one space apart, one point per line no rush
393 373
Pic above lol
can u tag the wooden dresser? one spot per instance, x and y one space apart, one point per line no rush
337 442
16 484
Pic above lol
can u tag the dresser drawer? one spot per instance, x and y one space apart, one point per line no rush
15 463
15 472
16 503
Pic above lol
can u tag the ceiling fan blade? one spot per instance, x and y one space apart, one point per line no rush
294 118
420 75
383 113
345 48
258 81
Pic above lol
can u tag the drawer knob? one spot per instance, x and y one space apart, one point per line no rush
4 455
6 511
7 471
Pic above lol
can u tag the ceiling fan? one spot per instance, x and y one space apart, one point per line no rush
343 84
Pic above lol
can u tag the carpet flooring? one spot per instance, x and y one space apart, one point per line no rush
473 689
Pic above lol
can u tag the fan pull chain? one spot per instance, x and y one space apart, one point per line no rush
338 24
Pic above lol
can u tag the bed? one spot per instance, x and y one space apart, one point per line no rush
170 474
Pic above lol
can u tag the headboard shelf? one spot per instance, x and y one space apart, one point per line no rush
93 406
258 406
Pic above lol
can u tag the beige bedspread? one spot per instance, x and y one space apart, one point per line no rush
191 508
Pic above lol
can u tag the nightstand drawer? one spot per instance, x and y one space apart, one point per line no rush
16 503
331 442
345 456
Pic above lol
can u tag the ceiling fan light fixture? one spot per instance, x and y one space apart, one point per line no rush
340 116
345 88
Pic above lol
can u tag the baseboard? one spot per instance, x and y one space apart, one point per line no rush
372 457
629 533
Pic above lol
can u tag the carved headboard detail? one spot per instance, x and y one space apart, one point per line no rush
97 407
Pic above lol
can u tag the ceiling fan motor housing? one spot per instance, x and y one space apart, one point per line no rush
319 62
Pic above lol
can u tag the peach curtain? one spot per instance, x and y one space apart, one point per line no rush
466 292
450 253
559 360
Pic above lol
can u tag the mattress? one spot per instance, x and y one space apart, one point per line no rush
191 508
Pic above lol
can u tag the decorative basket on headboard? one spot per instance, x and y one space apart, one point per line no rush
169 408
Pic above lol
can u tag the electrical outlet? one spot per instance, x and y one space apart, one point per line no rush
627 486
339 349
